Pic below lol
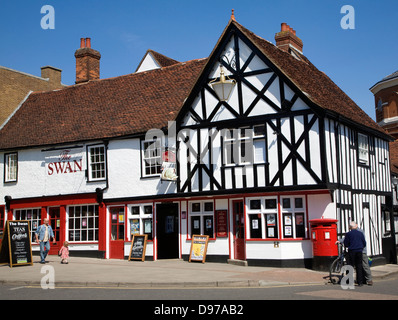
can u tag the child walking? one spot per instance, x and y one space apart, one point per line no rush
64 253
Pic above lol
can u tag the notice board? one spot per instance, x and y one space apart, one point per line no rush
222 223
138 247
16 247
198 248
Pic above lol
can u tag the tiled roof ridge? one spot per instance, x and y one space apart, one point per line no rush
163 60
133 74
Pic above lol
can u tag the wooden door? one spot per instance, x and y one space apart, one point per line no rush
55 223
116 243
239 230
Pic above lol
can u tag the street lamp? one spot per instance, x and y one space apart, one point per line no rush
223 87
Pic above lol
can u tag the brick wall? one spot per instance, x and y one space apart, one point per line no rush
15 85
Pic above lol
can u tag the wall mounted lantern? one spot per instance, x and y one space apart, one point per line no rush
223 87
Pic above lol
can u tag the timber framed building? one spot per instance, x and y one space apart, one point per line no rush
286 147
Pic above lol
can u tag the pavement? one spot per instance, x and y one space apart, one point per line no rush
91 272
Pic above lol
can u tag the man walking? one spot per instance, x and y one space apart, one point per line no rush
355 242
43 235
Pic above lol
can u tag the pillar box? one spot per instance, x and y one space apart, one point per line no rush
323 238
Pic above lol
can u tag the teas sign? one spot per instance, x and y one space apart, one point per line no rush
16 248
64 162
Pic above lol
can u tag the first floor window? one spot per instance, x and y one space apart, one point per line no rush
33 216
151 157
244 145
202 218
83 223
363 148
97 162
140 218
11 167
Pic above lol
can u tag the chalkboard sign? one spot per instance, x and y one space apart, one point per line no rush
138 247
16 248
198 248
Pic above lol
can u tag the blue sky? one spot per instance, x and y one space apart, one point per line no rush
122 30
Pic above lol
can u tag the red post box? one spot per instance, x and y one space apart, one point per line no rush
323 237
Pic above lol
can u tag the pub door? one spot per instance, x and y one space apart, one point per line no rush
239 230
116 243
54 216
167 231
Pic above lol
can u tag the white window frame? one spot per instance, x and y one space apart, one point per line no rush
154 155
363 148
28 214
141 216
82 228
11 167
95 163
233 138
201 214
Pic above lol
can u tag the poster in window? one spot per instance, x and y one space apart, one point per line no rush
135 226
148 226
271 232
271 220
288 220
288 231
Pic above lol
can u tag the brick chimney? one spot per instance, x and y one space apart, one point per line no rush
286 39
87 62
52 74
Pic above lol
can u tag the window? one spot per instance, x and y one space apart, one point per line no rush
11 167
83 223
265 221
151 157
244 145
363 149
293 217
202 218
97 162
32 215
140 219
262 216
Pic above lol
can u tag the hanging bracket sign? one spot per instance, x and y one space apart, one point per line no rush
198 248
16 247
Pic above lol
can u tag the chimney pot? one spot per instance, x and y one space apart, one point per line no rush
287 39
87 62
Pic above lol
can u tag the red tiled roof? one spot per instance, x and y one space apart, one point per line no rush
101 109
137 102
319 88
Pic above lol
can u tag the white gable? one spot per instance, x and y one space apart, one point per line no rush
148 63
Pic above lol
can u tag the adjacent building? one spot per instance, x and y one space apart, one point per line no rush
164 152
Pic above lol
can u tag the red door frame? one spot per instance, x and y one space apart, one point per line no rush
238 215
116 247
55 221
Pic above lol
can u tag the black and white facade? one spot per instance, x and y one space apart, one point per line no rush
252 171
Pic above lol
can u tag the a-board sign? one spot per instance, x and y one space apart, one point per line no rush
16 247
198 248
138 247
